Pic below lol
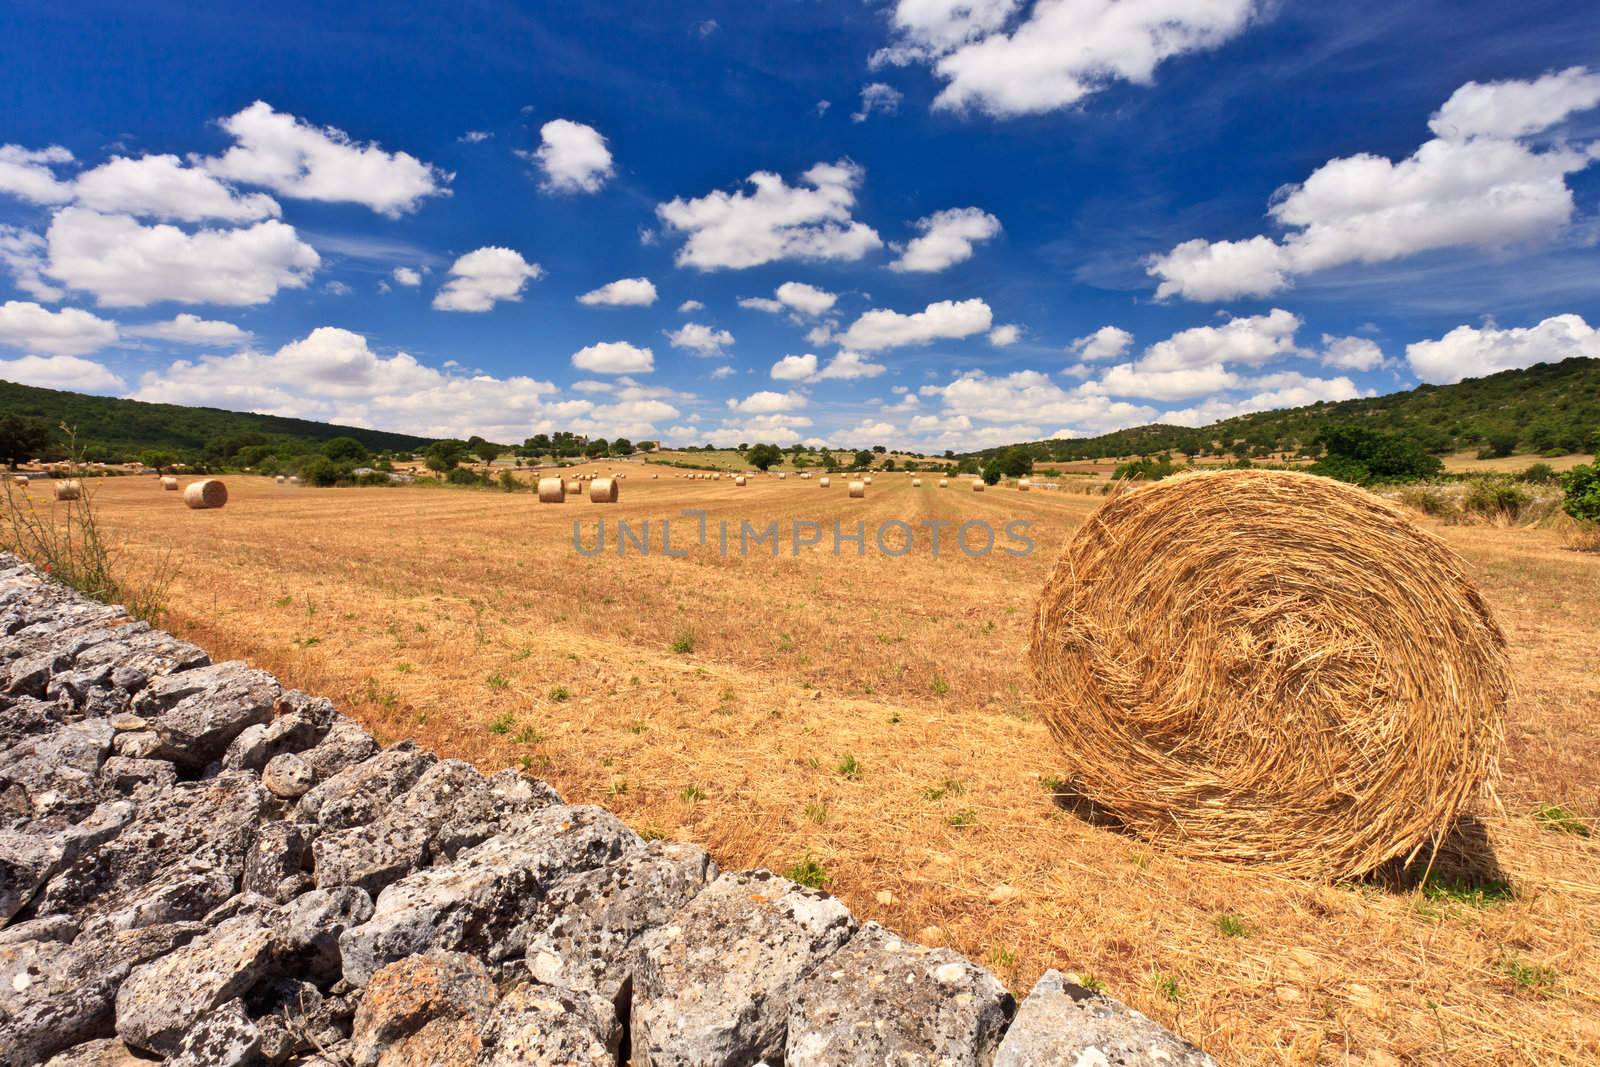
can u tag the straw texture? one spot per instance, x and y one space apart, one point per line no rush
1270 668
205 494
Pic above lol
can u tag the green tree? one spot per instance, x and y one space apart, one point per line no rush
444 455
648 446
1015 462
346 450
992 472
1582 487
622 447
1359 455
1500 442
158 459
22 438
863 458
597 448
763 456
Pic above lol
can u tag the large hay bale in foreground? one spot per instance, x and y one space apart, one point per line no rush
552 491
69 489
603 491
207 493
1271 668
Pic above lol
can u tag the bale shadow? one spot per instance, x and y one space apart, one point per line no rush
1464 867
1066 796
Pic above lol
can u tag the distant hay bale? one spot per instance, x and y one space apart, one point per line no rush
782 475
280 479
603 491
552 491
169 483
867 481
916 483
739 480
824 482
944 483
294 479
21 479
69 489
977 485
206 493
575 487
858 489
653 477
1270 667
1023 485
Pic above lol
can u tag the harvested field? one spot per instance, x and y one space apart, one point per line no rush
871 715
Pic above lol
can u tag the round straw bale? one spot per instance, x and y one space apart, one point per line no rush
807 475
603 491
552 491
653 477
1270 667
782 475
977 485
824 482
739 480
1023 485
69 489
170 483
858 489
206 493
294 479
866 481
575 487
280 479
944 483
21 479
916 483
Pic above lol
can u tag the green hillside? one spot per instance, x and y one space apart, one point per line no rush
111 429
1547 407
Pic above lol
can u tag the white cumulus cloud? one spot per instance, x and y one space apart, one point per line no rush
767 402
775 221
481 278
700 339
1106 343
1474 351
624 292
187 329
61 372
68 332
125 263
573 156
943 320
795 368
1059 52
614 357
1476 184
294 158
407 276
877 98
947 239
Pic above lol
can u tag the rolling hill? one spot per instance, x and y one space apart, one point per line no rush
1545 407
111 428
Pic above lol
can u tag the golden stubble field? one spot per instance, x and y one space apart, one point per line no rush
871 715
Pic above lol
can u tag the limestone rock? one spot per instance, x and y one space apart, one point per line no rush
162 999
881 999
484 901
132 776
54 995
423 1010
101 1052
343 745
371 855
224 1037
716 984
359 793
537 1023
1067 1025
306 939
278 861
590 923
287 776
217 703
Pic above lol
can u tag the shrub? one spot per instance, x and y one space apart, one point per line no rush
464 476
1582 487
1538 474
1495 498
1150 470
1361 456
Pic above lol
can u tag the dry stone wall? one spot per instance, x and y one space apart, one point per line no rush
202 867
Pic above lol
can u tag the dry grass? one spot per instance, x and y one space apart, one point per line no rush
870 715
1272 668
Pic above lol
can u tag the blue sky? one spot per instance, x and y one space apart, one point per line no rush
974 222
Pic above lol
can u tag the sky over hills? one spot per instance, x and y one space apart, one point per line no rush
927 224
